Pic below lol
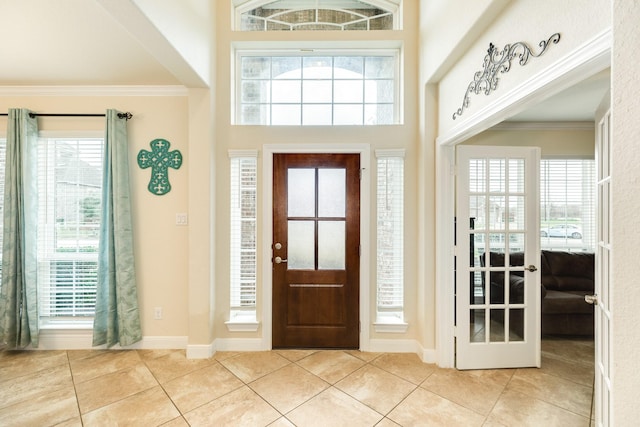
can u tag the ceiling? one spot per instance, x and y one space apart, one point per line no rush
112 42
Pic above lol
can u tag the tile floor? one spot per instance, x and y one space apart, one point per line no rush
290 388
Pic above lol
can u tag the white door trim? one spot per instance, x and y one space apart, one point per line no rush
587 60
267 230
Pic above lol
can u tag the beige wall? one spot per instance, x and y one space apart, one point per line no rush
553 143
255 137
528 21
160 245
625 181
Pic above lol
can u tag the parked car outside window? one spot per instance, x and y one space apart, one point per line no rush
562 230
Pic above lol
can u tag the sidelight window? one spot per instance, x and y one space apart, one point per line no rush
243 255
390 238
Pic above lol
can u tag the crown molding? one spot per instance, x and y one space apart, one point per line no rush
519 126
132 90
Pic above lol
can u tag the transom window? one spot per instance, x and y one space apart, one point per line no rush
318 89
317 15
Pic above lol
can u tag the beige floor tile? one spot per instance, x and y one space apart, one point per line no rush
424 408
42 410
405 365
154 354
475 392
28 387
148 408
575 350
282 422
386 422
73 422
175 364
177 422
295 355
288 387
199 387
376 388
580 373
367 356
253 365
333 408
102 362
82 354
331 366
110 388
239 408
517 409
221 355
555 390
17 363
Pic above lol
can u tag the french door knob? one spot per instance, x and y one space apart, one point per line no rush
591 299
531 268
279 260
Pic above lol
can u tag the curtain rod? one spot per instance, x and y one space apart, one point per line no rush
126 115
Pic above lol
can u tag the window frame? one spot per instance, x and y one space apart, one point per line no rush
242 50
242 6
242 318
391 320
588 227
67 322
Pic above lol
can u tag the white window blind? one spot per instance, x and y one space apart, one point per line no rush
390 232
243 230
69 199
567 204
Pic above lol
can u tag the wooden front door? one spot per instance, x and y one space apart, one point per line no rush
316 245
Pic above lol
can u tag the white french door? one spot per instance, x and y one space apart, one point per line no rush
497 257
602 299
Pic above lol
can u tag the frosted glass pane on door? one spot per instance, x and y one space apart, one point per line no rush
332 185
301 193
301 245
331 245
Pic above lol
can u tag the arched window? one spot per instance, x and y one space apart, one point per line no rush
317 15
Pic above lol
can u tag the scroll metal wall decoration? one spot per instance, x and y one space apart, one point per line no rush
500 62
159 159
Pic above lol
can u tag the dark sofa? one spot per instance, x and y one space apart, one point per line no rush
566 278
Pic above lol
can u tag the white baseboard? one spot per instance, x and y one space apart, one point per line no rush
82 340
239 344
403 346
200 351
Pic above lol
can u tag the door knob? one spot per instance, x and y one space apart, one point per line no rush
591 299
279 260
531 268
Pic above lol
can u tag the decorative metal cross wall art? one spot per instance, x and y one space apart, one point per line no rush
496 62
159 159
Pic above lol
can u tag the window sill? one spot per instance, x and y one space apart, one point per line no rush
390 323
66 325
244 321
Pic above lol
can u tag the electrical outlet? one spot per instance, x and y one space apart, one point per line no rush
182 219
157 313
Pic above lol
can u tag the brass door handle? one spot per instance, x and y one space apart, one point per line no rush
531 268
